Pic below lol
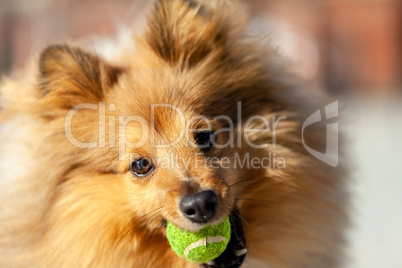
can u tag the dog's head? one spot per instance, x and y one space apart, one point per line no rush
153 136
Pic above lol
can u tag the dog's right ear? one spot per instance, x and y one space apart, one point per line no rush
70 76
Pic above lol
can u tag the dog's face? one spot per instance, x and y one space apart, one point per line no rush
144 140
170 171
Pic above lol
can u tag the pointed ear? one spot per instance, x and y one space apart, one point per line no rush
70 76
185 31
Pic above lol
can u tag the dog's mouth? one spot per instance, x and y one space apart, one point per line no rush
236 250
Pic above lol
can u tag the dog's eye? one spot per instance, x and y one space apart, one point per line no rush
205 139
141 167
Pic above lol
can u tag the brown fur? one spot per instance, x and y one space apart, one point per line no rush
72 207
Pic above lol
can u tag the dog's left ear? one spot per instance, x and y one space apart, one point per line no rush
183 32
70 76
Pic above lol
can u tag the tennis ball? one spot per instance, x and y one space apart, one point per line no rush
202 246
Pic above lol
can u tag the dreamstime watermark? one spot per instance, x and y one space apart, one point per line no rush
228 133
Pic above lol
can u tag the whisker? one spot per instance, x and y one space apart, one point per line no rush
147 219
138 223
157 228
254 179
240 216
252 199
143 216
258 201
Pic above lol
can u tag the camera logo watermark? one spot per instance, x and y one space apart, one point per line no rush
331 154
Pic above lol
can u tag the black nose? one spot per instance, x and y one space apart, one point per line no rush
200 207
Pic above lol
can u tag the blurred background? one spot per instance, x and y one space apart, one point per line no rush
350 48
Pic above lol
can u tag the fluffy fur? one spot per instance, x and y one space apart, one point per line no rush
65 206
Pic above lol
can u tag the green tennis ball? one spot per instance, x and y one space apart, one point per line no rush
202 246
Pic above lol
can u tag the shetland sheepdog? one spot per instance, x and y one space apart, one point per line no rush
192 121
